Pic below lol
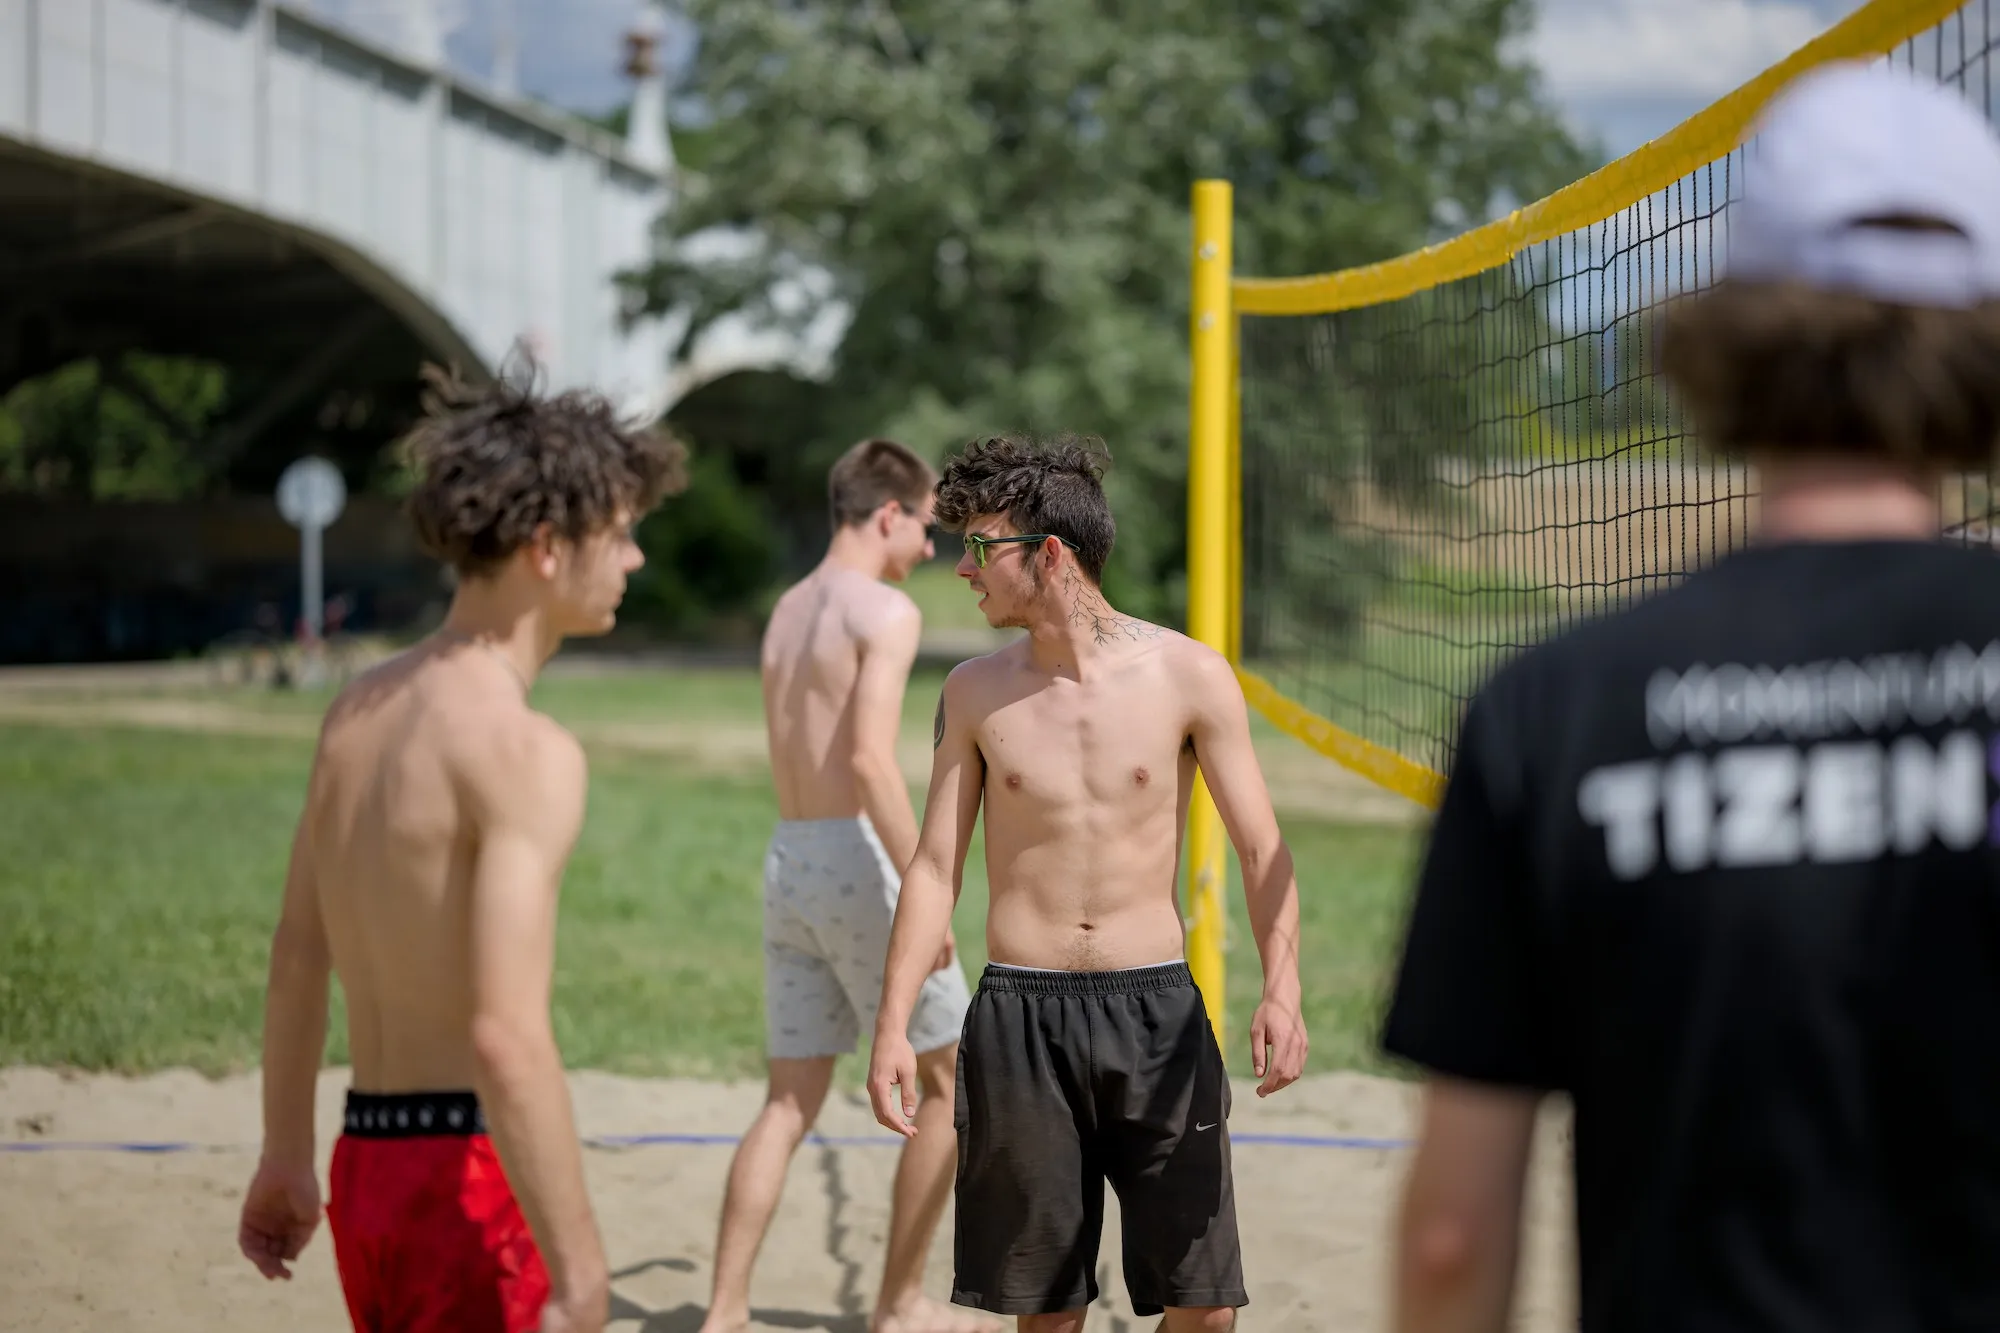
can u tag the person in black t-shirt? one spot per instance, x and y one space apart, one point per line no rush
1724 866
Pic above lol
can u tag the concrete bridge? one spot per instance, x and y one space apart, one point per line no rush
239 180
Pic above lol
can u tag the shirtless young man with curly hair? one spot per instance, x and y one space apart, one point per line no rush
439 816
1087 1053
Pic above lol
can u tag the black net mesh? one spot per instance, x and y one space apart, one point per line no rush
1433 483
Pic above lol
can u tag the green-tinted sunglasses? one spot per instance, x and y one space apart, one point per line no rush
977 545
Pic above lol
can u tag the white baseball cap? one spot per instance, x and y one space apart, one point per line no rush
1849 144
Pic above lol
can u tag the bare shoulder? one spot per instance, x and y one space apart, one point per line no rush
977 675
524 764
969 688
976 684
541 744
368 689
791 597
1204 676
875 608
1186 654
542 737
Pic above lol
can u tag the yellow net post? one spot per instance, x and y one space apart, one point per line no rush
1211 335
1233 584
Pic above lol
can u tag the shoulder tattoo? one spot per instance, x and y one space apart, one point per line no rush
937 726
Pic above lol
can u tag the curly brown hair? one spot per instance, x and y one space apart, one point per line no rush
495 461
1786 368
1051 485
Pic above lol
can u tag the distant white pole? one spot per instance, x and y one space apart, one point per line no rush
312 589
311 494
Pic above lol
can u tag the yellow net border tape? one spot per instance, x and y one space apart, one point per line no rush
1383 767
1874 30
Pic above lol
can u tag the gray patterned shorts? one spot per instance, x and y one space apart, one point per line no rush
829 899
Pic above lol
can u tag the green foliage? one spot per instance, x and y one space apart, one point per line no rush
709 553
999 190
118 430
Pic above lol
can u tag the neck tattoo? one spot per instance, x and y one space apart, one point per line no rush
1088 610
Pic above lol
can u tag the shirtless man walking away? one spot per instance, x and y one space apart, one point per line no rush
1087 1052
438 819
837 655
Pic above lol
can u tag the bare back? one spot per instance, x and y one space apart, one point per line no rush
394 826
811 663
1086 789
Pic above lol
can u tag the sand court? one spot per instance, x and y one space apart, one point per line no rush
96 1238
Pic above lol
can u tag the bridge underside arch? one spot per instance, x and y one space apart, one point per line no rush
772 426
322 351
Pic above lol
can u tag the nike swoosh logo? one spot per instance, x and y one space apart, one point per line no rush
1210 1125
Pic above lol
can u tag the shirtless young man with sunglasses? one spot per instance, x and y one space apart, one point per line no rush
1087 1054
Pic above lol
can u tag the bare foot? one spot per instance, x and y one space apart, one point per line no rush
924 1315
720 1321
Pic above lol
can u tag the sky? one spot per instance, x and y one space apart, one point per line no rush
1625 71
1622 71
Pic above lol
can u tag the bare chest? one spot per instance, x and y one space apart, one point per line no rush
1073 744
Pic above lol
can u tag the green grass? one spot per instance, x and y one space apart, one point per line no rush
143 870
140 876
682 694
705 695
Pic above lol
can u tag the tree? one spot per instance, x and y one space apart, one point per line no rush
999 191
116 428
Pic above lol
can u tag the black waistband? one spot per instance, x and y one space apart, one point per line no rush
1126 981
408 1115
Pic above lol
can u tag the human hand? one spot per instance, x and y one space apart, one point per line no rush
578 1311
280 1212
947 955
1277 1045
893 1064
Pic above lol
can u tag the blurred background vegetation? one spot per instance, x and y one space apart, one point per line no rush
998 193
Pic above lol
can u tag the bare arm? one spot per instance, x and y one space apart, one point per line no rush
281 1208
930 891
530 810
1220 730
1459 1239
295 1005
887 654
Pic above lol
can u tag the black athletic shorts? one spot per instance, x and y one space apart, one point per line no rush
1069 1079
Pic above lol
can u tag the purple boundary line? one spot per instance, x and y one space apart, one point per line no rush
697 1140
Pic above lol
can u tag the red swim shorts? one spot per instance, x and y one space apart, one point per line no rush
426 1231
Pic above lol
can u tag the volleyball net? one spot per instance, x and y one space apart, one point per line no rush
1403 473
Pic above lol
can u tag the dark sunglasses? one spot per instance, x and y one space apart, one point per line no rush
976 545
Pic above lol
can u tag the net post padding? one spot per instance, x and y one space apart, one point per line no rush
1208 616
